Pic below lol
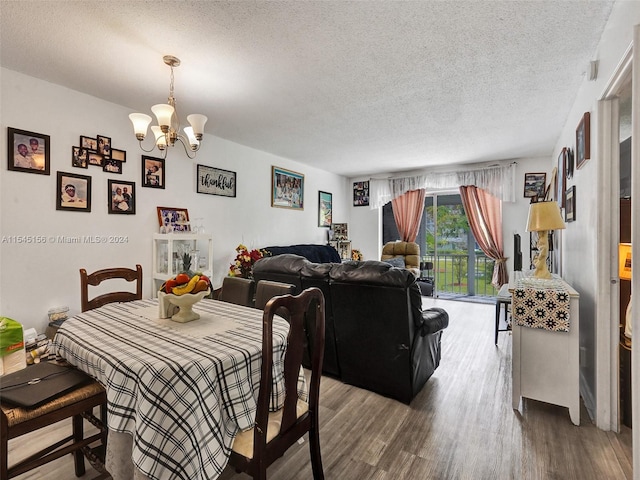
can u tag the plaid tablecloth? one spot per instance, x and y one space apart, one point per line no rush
183 398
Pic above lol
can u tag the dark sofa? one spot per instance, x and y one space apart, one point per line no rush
377 336
313 253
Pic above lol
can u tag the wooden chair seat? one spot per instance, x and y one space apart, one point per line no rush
78 405
243 443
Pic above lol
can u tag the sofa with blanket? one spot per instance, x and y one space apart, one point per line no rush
376 335
313 253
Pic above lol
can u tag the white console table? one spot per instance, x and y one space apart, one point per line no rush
546 364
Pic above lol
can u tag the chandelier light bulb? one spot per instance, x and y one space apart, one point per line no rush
141 123
163 112
161 138
197 121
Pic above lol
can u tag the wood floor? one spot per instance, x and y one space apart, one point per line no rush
461 426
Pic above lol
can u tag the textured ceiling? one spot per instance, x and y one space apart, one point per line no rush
353 87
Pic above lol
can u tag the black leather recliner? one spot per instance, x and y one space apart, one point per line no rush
376 335
386 343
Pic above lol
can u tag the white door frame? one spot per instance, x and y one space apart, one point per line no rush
608 302
608 223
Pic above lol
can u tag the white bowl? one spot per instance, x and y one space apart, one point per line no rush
185 303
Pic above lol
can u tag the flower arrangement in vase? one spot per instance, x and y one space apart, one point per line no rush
243 264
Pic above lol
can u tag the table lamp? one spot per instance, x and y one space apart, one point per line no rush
624 272
543 216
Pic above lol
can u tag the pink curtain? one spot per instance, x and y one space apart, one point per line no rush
484 212
407 212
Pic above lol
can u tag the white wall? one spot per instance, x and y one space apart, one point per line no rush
36 277
580 237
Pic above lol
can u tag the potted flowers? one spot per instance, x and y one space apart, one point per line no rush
244 261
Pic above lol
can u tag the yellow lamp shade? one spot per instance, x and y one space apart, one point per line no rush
624 261
544 216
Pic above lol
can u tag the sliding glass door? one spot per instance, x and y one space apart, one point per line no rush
461 269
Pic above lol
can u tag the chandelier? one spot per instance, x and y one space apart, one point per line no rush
167 132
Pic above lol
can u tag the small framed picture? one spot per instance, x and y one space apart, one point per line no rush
340 231
325 209
215 181
73 192
534 184
28 152
111 166
287 189
119 155
583 140
152 172
361 194
122 197
89 143
173 219
79 157
95 158
570 209
104 146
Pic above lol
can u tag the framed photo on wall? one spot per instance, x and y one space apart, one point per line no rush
152 172
570 209
73 192
122 197
583 140
361 194
173 219
287 189
28 151
79 157
89 143
215 181
119 155
534 184
104 146
110 165
325 209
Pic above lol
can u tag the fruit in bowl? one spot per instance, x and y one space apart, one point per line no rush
183 292
182 284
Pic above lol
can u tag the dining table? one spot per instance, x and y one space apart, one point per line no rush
177 393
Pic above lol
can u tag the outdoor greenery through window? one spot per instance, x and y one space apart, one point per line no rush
461 269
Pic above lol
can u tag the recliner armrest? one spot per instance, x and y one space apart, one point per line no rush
433 320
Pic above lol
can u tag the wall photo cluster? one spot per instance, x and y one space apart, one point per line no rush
30 152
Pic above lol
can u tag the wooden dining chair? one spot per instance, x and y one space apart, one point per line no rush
77 405
238 290
274 432
97 277
267 289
